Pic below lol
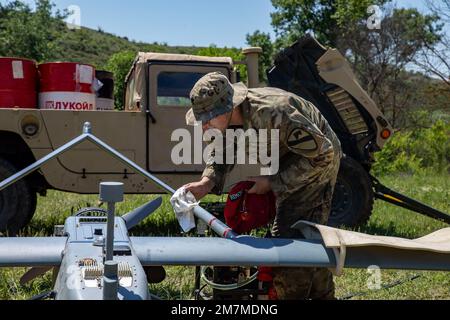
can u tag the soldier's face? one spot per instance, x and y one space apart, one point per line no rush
220 123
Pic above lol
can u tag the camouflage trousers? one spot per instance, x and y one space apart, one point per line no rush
310 202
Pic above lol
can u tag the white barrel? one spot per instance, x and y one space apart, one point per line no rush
67 86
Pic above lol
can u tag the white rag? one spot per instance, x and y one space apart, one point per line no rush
183 203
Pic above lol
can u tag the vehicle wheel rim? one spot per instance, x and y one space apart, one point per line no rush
342 200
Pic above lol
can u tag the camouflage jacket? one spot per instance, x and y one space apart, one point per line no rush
303 133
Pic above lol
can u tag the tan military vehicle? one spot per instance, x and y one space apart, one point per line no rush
156 101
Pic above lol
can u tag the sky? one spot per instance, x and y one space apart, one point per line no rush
177 22
183 22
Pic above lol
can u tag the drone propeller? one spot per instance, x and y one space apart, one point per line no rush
33 273
136 216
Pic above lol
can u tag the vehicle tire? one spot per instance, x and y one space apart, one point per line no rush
28 203
353 196
17 202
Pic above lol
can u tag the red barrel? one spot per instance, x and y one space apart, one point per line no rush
66 86
18 80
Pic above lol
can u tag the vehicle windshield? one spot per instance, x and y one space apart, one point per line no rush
174 88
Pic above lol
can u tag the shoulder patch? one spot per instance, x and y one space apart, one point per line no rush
301 140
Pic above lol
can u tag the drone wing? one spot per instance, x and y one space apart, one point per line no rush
31 252
248 251
241 251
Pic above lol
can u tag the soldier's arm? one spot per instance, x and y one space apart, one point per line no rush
310 151
216 172
300 135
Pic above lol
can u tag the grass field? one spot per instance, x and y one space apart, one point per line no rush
432 189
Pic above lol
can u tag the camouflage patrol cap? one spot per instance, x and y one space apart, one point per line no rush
212 96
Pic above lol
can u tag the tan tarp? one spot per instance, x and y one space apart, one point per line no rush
136 96
438 241
144 57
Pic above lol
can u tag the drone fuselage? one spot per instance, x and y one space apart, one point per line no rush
81 273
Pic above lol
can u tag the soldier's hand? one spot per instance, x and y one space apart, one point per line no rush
262 185
200 189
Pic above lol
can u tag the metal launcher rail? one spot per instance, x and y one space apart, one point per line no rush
218 226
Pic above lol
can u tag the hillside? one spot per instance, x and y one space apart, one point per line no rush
96 46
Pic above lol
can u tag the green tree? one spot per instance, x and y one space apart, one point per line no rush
435 59
234 53
260 39
30 34
411 151
119 64
328 20
380 57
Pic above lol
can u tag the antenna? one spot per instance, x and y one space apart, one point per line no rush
111 193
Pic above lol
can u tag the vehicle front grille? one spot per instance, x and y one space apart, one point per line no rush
348 111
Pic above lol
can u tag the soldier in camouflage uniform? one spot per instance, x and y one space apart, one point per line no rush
310 154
